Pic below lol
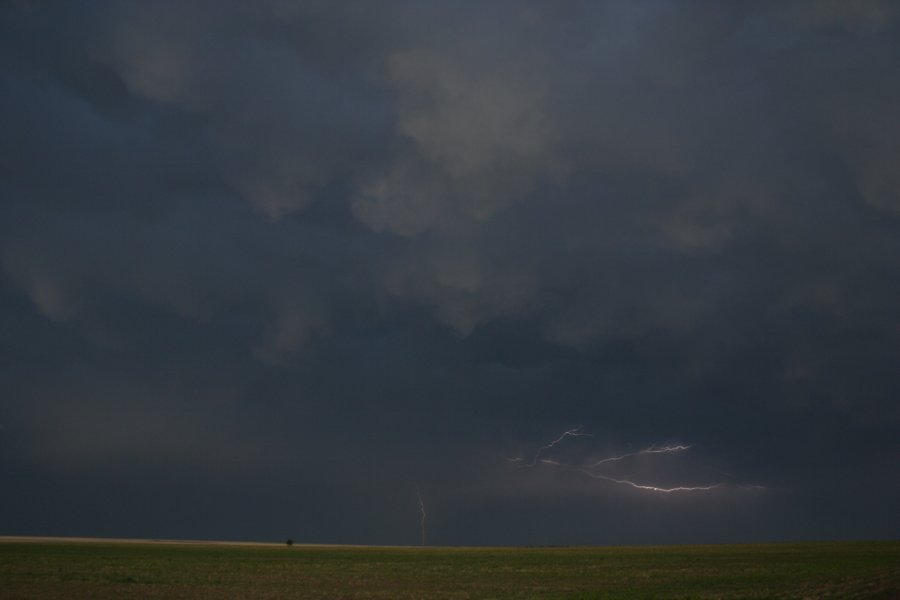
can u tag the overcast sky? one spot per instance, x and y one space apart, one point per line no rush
279 269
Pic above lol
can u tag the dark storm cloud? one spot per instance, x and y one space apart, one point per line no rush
329 252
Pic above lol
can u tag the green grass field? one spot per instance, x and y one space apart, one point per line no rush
95 569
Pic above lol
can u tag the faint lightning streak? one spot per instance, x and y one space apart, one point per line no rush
422 514
665 449
576 432
651 488
614 459
513 460
650 450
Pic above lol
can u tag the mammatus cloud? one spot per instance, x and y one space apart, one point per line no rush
291 329
478 136
74 276
51 296
458 145
277 127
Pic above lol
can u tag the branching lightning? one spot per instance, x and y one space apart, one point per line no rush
651 488
650 450
576 432
422 514
591 470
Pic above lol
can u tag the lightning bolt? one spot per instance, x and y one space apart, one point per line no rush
665 449
650 450
589 470
651 488
422 514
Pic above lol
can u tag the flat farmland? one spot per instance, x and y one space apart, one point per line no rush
59 568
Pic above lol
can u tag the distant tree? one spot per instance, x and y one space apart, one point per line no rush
290 542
